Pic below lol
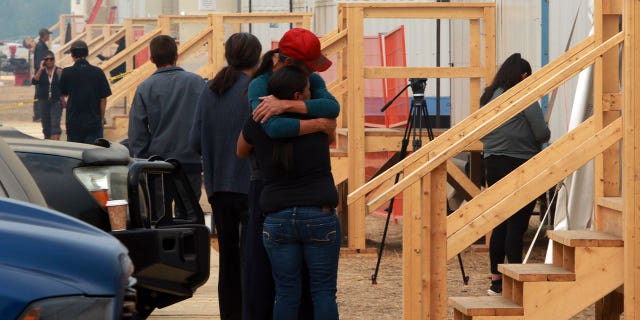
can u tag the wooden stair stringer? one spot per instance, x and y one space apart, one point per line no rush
598 272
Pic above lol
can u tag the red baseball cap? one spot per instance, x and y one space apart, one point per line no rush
302 44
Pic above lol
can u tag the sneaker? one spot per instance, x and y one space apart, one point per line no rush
496 288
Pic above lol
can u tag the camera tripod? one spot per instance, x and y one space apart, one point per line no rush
417 121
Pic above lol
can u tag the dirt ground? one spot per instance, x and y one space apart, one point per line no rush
357 297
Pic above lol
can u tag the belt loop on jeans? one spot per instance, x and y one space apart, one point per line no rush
327 209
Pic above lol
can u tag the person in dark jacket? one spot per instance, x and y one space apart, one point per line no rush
221 112
48 98
298 199
163 109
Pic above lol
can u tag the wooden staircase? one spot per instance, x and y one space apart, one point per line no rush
587 266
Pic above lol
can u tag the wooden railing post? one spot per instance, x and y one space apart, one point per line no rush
424 244
128 40
355 114
631 158
216 47
164 23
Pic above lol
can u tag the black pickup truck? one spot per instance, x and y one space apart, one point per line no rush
167 239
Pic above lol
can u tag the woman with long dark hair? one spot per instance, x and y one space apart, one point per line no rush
298 199
221 113
506 148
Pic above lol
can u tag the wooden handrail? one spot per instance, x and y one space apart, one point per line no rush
460 130
193 44
133 49
67 60
524 185
334 42
128 85
495 113
112 39
65 47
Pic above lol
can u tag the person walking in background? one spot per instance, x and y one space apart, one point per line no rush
163 109
222 110
87 88
299 199
48 98
506 148
39 52
296 47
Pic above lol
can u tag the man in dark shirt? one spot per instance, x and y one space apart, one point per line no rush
39 52
87 89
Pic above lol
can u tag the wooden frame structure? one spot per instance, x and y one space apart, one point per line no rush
212 32
352 72
430 238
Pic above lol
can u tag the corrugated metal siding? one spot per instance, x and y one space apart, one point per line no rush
517 30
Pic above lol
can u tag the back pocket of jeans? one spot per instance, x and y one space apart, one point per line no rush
274 232
322 233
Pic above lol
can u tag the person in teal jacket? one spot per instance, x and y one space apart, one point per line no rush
298 47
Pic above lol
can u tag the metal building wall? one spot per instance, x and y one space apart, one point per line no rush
517 30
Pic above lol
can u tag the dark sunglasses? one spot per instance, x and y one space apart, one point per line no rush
49 59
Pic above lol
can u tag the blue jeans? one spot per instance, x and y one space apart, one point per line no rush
292 237
50 113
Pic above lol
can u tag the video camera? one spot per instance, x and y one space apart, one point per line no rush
418 85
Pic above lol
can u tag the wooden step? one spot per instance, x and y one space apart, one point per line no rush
585 238
536 272
486 306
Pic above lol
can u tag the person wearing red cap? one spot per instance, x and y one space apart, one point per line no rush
298 199
299 47
302 48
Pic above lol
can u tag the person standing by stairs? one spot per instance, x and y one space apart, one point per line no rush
300 47
163 109
505 149
39 52
221 113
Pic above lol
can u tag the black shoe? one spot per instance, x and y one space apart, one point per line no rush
496 288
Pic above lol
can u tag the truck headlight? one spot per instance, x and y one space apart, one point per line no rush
71 307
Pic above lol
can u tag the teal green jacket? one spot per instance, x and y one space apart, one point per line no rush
321 105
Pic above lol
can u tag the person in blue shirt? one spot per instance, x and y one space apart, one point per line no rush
163 109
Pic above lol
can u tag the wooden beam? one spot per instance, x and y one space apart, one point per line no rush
459 181
631 159
423 72
355 111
